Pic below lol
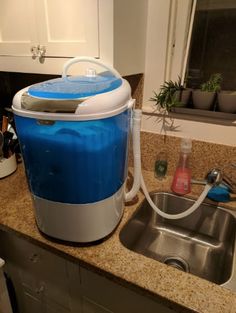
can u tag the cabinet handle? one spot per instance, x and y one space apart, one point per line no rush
41 51
38 51
34 51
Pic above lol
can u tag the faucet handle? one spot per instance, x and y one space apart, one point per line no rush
229 176
228 182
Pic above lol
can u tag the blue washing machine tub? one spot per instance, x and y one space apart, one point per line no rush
76 160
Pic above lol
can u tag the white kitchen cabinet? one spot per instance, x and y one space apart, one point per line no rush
38 36
111 297
41 279
44 282
63 28
17 27
5 304
66 28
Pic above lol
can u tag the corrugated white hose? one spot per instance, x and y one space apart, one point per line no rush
139 178
136 125
180 215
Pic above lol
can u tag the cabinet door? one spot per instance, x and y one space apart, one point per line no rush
17 27
32 304
68 28
102 295
37 272
91 307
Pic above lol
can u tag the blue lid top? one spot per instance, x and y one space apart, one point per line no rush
75 87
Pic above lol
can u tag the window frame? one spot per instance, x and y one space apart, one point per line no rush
168 37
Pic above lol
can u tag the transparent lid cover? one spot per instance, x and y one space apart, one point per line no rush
76 98
75 87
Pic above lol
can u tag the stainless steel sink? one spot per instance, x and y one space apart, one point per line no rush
202 243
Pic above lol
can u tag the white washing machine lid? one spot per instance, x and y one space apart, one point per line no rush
76 98
76 87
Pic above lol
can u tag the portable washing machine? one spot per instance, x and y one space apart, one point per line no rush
74 134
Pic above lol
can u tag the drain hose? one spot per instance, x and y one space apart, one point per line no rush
175 216
138 177
136 124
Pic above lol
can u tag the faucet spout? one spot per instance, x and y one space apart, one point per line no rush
214 177
218 176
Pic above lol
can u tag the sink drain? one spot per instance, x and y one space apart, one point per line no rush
177 262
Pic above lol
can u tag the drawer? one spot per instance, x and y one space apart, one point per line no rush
32 258
114 297
43 305
36 269
91 307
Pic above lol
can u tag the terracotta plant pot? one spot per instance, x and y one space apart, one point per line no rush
203 100
227 101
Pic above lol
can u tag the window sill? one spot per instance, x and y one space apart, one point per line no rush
206 116
205 113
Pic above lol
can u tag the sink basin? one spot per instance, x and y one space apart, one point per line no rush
202 243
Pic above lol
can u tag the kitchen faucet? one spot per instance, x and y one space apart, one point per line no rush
218 177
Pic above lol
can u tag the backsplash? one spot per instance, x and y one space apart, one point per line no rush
204 156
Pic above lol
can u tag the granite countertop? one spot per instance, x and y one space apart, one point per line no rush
181 291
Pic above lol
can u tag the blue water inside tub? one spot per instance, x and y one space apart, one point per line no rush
75 161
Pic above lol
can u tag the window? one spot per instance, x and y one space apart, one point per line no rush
198 39
213 43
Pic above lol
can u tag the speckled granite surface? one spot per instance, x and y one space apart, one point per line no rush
175 289
204 155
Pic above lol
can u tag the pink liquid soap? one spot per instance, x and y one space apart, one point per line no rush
181 183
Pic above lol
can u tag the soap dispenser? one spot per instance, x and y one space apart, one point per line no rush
181 183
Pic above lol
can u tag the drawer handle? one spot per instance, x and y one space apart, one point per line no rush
34 258
40 290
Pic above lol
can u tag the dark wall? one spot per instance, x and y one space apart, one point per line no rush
11 82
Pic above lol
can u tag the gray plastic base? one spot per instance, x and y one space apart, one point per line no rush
79 222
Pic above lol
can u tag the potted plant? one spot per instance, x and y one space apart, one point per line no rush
172 94
227 101
203 98
182 94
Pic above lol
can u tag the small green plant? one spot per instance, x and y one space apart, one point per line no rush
213 84
167 98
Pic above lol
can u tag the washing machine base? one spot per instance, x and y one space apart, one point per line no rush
79 222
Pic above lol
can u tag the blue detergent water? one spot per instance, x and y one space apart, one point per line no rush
75 162
75 87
